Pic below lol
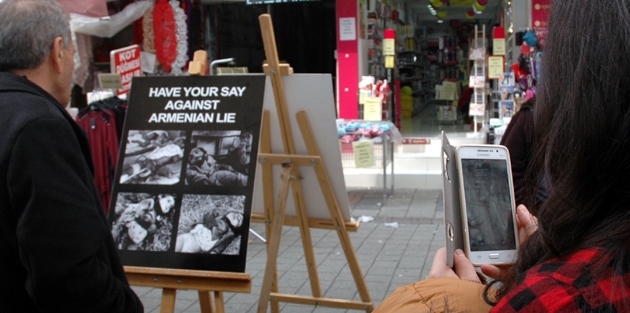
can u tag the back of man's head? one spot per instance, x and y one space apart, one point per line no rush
28 30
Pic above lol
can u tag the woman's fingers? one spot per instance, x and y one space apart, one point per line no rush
463 267
496 272
526 223
439 267
492 271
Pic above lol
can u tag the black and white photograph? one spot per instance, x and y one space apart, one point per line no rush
153 157
143 221
211 224
219 158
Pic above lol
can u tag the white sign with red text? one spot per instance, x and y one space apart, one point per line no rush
127 63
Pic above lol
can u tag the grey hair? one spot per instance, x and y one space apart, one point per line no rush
28 30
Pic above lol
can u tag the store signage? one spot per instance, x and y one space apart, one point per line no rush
498 41
128 63
109 81
389 42
372 109
363 153
184 180
389 61
347 29
449 90
540 13
148 62
389 47
416 141
498 46
496 67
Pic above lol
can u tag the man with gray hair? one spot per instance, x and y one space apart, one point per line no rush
57 251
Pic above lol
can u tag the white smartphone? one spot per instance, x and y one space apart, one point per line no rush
487 204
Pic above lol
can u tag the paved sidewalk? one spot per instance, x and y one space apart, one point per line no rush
389 256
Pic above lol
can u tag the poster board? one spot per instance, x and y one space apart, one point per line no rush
313 94
183 187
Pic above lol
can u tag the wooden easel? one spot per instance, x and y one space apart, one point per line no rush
205 282
289 179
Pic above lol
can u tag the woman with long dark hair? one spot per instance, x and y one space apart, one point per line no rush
577 257
583 146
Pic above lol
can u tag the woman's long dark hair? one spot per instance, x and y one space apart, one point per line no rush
582 122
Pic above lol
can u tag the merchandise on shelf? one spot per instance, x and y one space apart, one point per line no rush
356 130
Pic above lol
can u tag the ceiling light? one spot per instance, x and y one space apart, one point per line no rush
440 21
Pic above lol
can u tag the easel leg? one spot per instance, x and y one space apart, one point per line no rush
218 301
344 238
168 300
267 174
275 304
205 302
307 242
273 243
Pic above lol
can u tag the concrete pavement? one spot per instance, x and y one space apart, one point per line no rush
389 256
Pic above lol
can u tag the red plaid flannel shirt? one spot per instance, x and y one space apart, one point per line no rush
568 285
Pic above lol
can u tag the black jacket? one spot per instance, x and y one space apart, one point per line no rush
57 254
519 139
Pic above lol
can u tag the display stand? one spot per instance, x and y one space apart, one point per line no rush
290 179
206 283
479 73
386 157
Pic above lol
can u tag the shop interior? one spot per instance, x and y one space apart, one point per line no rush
433 41
433 38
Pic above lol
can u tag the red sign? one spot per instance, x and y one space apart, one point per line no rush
416 141
540 13
127 63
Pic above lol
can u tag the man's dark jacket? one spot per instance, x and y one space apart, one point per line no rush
56 252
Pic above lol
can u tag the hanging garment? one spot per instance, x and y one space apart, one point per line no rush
101 127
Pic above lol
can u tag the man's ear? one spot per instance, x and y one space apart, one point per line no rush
56 54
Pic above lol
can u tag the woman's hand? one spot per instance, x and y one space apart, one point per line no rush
462 267
526 225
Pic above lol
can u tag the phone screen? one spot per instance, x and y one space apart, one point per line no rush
488 204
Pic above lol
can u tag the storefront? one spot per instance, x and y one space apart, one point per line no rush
445 66
432 44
